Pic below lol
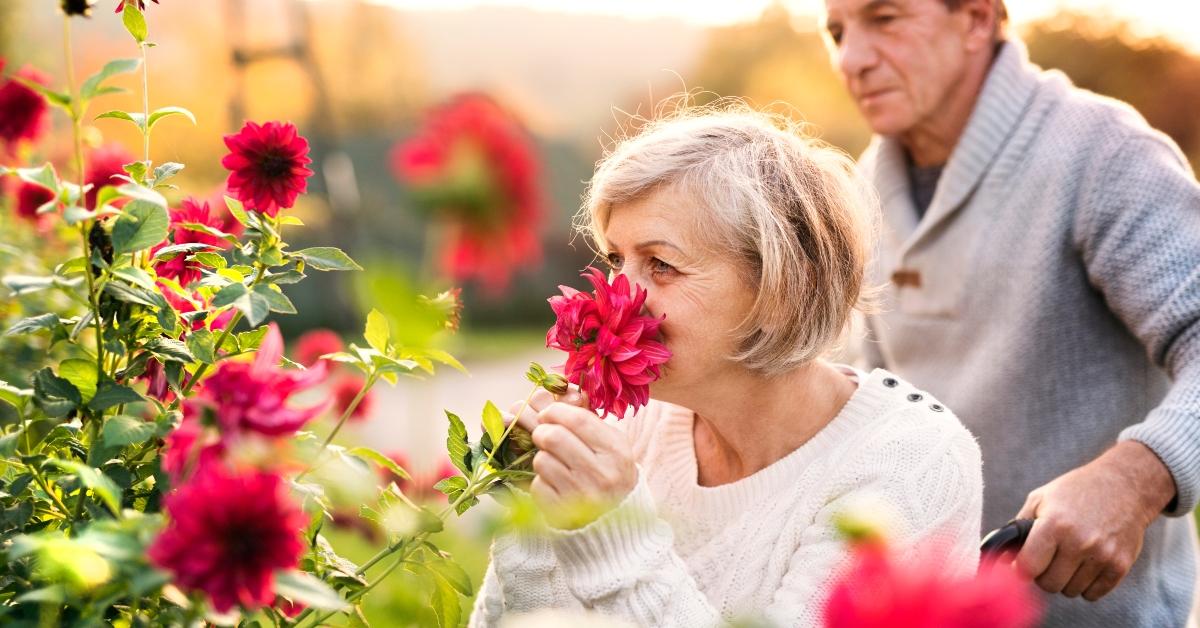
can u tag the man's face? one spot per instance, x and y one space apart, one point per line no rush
900 59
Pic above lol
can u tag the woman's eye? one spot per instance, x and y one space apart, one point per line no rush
659 267
614 261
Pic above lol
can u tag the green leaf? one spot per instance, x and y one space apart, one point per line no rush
327 258
249 340
458 446
159 114
43 176
166 171
82 375
53 394
255 307
26 284
16 397
138 120
169 349
136 276
445 603
34 323
57 99
134 22
172 251
381 460
110 393
119 66
289 219
210 259
447 359
202 344
299 586
122 430
454 575
101 484
377 332
143 193
132 294
228 295
493 422
276 301
238 210
141 225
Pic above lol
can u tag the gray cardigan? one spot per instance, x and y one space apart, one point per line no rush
1051 297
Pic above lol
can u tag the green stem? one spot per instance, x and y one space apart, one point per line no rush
93 434
371 379
37 477
145 107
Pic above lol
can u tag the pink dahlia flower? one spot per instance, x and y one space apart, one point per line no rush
316 343
612 349
181 267
228 534
253 396
23 112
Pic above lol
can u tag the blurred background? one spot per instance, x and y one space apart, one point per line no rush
538 88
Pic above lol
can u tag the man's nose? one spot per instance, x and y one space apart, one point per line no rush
855 55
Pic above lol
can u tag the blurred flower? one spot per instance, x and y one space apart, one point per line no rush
449 305
472 166
228 534
289 608
28 197
196 303
191 448
877 592
612 351
267 166
78 7
344 391
23 112
103 164
141 5
315 343
253 396
181 268
421 485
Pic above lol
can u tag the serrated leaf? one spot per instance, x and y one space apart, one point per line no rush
447 359
34 323
210 259
138 120
289 219
493 422
445 603
248 340
307 589
327 258
276 301
171 251
141 225
136 276
202 344
110 393
458 446
159 114
132 294
44 176
454 575
101 484
381 460
27 284
254 307
377 333
166 171
122 430
169 349
228 295
134 22
117 66
82 374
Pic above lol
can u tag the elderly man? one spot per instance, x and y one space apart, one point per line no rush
1041 248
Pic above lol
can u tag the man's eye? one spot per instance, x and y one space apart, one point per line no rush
836 35
883 20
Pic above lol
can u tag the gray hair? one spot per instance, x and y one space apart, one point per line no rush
792 209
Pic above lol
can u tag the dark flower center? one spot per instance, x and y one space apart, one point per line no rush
274 165
77 7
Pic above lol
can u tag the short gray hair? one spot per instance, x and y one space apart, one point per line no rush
793 210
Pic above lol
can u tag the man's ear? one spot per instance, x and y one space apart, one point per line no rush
981 24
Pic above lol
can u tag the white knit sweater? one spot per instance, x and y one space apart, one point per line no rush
675 553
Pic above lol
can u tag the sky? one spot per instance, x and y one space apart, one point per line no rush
1178 19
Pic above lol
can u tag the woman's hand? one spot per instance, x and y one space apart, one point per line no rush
584 466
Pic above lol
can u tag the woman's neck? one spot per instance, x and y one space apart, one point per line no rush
742 433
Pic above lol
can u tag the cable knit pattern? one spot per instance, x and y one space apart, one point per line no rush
674 553
1059 306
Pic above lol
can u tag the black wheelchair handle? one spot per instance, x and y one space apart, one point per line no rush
1009 538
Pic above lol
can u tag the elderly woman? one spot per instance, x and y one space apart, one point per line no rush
726 490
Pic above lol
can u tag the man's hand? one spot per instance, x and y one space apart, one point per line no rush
1090 522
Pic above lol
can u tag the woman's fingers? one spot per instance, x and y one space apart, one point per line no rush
528 418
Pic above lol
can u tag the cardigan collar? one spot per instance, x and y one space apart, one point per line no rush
1006 94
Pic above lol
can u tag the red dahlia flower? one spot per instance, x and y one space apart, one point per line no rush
878 593
253 396
103 164
267 166
316 343
180 267
28 197
612 351
344 391
191 448
227 536
196 303
472 166
23 111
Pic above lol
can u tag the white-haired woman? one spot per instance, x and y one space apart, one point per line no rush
752 240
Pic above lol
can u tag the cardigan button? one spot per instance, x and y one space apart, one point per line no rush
936 407
915 397
890 382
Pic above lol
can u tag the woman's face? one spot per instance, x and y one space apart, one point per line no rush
655 242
